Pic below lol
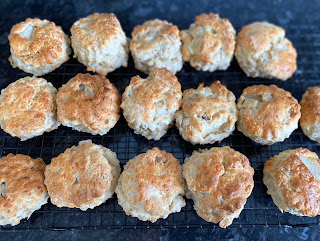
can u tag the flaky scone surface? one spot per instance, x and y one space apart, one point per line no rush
84 176
28 108
89 103
149 104
267 114
209 43
208 114
99 43
156 44
293 181
263 51
219 181
151 186
22 187
38 46
310 113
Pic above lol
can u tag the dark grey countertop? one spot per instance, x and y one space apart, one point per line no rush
131 13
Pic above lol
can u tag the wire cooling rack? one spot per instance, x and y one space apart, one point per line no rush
259 210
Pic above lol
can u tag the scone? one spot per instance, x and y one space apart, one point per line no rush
310 113
208 114
209 43
22 188
28 108
89 103
293 181
151 186
84 176
267 114
219 181
263 51
156 44
99 43
38 46
149 104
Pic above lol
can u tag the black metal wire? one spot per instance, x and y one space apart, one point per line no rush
259 210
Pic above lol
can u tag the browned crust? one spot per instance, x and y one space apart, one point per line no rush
93 111
25 106
221 28
260 37
300 189
219 172
310 106
154 169
202 104
43 48
103 28
266 120
78 176
24 181
166 30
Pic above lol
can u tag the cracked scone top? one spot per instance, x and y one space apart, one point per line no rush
267 114
151 186
293 181
99 43
310 113
156 44
89 103
209 43
263 51
149 104
38 46
22 187
84 176
28 108
219 181
208 114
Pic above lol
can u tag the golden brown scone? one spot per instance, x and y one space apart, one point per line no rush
293 181
156 44
208 114
28 108
84 176
310 113
219 181
99 43
149 104
209 43
267 114
22 188
89 103
38 46
263 51
151 186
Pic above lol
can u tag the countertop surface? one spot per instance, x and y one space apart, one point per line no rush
181 13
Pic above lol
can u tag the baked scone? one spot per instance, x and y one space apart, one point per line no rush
149 104
219 181
263 51
89 103
38 46
151 186
84 176
99 43
209 43
293 181
28 108
267 114
208 114
156 44
310 113
22 187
